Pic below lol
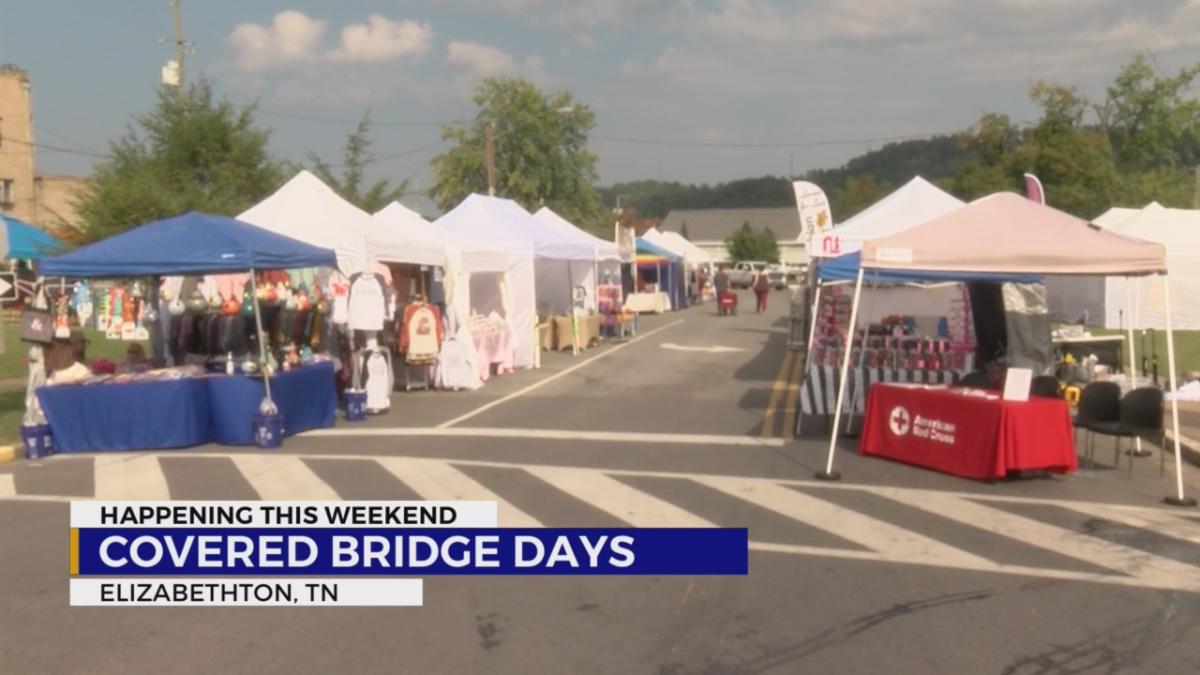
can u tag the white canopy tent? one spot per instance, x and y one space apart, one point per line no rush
677 244
1179 231
605 257
497 224
309 210
914 202
1082 299
1005 233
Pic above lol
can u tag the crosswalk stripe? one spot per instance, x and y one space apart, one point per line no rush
8 487
1161 523
892 542
119 477
282 478
435 480
619 499
1132 562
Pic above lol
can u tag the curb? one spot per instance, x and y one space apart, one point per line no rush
8 453
1190 447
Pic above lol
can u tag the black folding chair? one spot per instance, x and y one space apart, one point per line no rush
1141 417
1098 402
975 380
1045 386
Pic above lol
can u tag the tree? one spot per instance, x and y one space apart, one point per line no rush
856 194
683 231
1149 120
356 156
768 246
746 244
541 154
190 152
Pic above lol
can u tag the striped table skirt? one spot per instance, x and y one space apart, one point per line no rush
818 393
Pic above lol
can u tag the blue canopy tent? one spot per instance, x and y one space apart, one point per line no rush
670 273
23 241
845 268
191 243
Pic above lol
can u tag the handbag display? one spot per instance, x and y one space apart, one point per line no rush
37 325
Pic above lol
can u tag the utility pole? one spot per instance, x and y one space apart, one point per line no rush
177 12
490 133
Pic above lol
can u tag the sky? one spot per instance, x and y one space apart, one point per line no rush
809 83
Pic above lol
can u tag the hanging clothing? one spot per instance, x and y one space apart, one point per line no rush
454 367
422 333
369 301
339 290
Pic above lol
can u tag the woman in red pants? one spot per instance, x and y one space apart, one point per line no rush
762 287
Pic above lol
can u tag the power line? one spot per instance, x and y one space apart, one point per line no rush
374 123
72 141
761 144
54 148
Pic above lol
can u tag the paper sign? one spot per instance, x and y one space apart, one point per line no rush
1016 384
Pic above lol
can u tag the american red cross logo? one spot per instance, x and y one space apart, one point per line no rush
899 421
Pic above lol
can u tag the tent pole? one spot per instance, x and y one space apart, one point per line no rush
262 343
1132 312
812 329
829 473
1178 499
862 359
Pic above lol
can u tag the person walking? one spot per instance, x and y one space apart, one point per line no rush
762 287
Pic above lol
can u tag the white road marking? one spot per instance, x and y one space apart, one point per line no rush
435 480
890 541
627 503
1129 561
8 487
553 434
715 349
129 476
1162 523
541 383
282 477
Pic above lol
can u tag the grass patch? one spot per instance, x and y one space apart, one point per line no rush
13 362
1187 349
12 410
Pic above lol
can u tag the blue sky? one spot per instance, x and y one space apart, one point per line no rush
719 71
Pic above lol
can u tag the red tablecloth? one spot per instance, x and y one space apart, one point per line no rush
965 435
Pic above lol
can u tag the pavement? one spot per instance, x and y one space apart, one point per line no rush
894 569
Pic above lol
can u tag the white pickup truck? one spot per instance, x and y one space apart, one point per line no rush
743 273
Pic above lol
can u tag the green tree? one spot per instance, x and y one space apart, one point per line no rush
190 152
854 195
1151 121
768 246
355 158
541 153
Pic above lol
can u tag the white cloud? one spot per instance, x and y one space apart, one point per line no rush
291 38
381 40
585 42
480 59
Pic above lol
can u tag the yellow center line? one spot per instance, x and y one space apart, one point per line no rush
777 389
793 395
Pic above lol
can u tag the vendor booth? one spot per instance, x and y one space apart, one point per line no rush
1001 234
659 284
21 241
508 311
604 266
187 404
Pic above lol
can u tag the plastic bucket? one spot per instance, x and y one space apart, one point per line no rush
38 441
356 406
268 431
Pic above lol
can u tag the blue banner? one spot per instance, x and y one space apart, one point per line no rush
415 552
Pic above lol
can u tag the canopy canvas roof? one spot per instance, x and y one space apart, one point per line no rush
23 241
504 222
915 202
604 249
409 225
1006 233
649 247
1178 230
309 210
192 243
677 244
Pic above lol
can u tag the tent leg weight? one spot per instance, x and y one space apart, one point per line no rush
828 475
1176 501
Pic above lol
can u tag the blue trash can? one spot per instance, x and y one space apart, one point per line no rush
38 441
356 406
268 431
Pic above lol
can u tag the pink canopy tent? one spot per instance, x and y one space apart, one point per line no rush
1005 233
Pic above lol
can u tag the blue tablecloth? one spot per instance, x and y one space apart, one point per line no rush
186 412
130 416
306 397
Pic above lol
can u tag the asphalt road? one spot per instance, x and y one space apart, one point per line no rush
894 570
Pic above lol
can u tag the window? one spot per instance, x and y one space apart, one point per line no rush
6 192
